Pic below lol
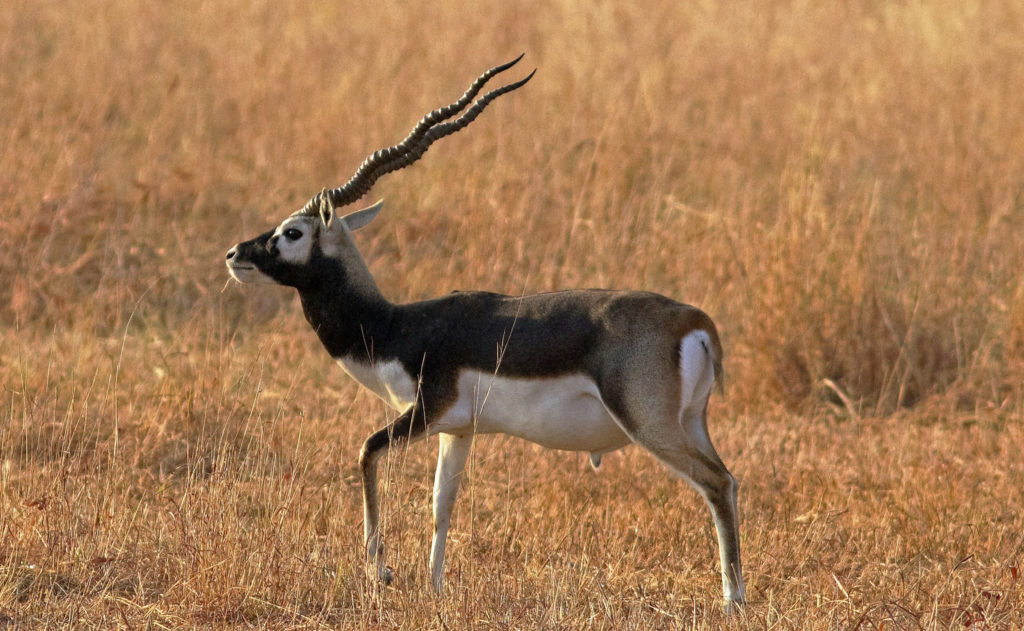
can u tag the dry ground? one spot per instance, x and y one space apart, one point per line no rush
840 187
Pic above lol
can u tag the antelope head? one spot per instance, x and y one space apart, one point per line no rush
299 252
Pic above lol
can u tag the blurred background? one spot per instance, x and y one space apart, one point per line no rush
839 187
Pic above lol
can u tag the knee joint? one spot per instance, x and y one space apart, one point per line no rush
367 457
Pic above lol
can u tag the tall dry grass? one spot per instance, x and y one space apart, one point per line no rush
838 186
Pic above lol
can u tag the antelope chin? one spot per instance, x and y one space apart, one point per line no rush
250 275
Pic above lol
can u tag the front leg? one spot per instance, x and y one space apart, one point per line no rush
408 427
451 460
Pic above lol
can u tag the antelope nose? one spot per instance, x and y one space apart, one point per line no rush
231 253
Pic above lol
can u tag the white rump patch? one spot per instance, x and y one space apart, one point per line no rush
697 368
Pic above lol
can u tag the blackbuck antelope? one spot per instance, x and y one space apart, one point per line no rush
591 370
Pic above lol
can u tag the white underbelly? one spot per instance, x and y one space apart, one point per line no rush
557 412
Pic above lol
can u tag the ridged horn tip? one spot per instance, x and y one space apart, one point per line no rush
429 129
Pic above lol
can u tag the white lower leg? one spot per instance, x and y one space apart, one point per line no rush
727 529
721 499
451 460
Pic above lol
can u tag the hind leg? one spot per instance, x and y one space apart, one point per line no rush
697 462
666 415
691 456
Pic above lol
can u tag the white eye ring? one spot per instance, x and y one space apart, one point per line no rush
292 234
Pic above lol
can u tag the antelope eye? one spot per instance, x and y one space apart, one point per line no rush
292 234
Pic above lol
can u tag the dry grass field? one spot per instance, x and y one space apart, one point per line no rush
840 185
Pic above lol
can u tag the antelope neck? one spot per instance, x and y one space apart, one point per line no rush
348 316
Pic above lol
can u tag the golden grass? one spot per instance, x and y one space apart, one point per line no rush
840 187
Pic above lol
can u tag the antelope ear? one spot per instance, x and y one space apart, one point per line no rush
360 218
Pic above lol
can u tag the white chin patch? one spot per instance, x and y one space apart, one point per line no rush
249 274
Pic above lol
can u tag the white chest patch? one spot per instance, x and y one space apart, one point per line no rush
556 412
388 380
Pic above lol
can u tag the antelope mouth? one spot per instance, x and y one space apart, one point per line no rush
248 274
